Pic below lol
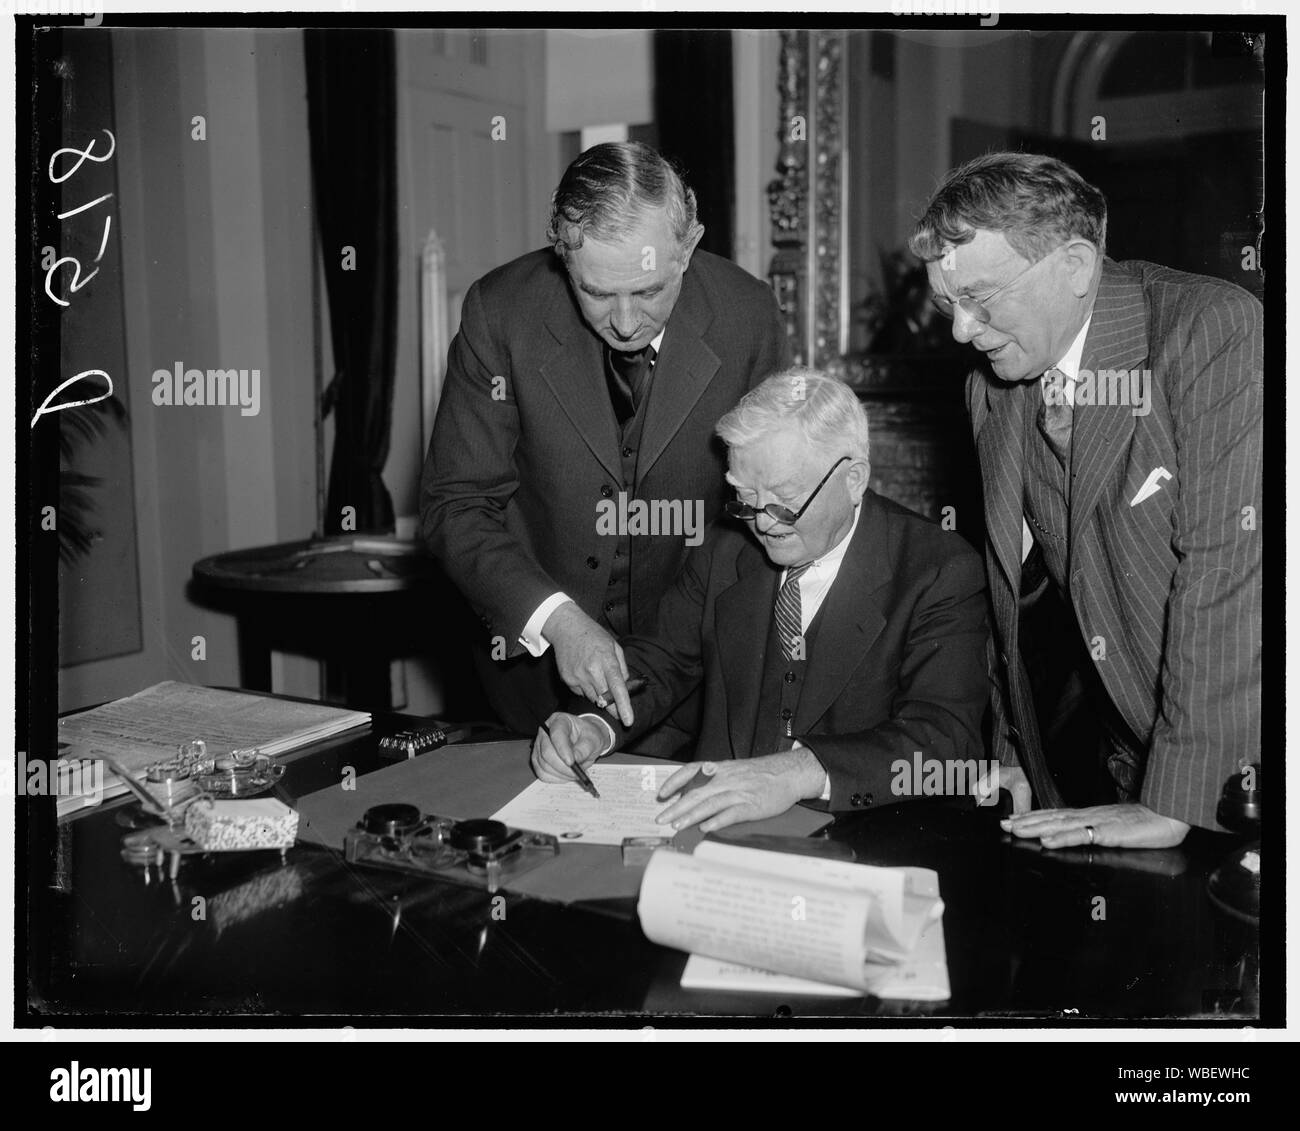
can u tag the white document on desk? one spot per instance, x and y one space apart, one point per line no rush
627 806
923 977
812 919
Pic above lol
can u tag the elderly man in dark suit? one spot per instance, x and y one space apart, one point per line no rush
1117 418
572 461
839 638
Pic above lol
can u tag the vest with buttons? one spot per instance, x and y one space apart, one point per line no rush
782 687
616 608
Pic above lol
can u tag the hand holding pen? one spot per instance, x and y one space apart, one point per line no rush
576 766
565 745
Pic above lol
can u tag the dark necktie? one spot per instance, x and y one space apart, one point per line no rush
789 610
1056 417
626 374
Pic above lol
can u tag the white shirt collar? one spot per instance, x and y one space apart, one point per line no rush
832 558
1069 364
656 343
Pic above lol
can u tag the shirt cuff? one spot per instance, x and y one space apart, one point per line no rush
532 638
609 730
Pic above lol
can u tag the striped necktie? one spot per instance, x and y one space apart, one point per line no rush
1056 417
789 611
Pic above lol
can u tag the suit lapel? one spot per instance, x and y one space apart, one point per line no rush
681 373
852 616
572 363
742 616
1000 424
1117 339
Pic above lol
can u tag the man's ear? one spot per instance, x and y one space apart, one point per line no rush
689 244
1081 262
859 479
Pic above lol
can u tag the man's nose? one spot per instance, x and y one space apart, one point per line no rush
965 326
764 522
624 318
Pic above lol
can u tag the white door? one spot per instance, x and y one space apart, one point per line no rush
476 166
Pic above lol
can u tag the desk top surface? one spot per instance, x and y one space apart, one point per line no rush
1065 936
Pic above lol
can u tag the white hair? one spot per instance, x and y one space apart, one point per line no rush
823 409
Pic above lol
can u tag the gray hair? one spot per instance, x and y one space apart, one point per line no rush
824 410
611 187
1036 202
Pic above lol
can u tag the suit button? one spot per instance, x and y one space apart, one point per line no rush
627 453
593 563
868 798
856 799
610 606
607 490
790 677
786 713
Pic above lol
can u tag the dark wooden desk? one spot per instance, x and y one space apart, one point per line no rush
312 941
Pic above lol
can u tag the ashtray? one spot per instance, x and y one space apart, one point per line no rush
238 779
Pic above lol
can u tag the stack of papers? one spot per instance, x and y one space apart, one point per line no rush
757 920
146 728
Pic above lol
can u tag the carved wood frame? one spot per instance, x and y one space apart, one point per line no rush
809 271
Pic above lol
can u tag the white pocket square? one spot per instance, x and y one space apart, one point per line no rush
1151 486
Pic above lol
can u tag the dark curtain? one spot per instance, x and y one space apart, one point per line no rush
695 120
352 115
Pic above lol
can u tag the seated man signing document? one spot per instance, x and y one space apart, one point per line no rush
837 634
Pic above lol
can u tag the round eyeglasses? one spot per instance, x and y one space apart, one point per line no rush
978 308
736 509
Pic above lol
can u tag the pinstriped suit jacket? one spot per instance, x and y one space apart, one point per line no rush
1171 583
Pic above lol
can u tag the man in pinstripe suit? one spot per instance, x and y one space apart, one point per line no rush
1117 416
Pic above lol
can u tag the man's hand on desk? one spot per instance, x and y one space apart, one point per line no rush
1113 826
572 738
589 659
746 789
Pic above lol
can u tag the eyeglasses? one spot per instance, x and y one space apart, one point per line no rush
737 509
978 308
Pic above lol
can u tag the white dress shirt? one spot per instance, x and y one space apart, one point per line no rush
816 581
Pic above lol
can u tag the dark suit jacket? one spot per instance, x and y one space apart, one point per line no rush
896 666
526 440
1171 584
